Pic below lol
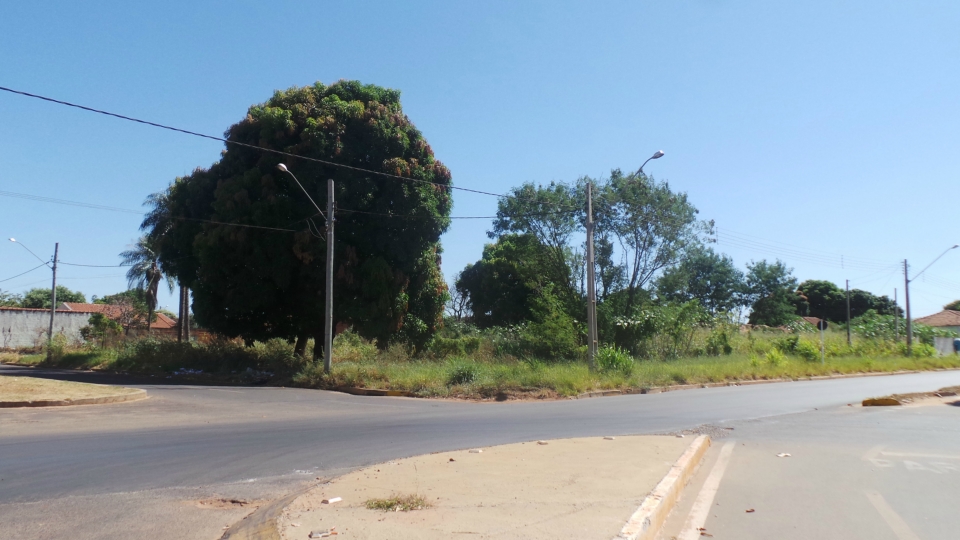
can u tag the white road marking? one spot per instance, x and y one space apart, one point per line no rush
701 507
893 519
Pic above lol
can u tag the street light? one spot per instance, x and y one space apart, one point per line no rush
53 289
656 155
328 311
906 286
592 337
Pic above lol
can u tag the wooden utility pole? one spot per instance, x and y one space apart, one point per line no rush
591 284
53 299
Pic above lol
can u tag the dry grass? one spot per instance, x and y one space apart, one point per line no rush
34 389
399 503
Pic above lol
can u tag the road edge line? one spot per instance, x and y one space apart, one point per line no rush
697 519
647 520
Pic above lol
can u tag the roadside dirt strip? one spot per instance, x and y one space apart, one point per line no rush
567 488
38 392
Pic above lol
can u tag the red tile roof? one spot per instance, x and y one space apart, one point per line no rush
947 317
114 312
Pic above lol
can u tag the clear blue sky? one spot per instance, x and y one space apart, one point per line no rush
820 128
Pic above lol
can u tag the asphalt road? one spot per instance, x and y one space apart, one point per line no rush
878 473
116 471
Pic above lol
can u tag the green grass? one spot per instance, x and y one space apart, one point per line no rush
493 378
399 503
484 374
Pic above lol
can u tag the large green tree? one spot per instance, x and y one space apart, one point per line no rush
826 300
706 276
40 298
771 288
501 287
653 225
261 283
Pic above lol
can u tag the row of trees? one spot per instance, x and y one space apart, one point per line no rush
242 237
651 250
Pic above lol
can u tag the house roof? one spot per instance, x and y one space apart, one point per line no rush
114 312
947 317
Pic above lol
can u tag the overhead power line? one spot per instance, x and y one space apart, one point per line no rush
24 273
246 145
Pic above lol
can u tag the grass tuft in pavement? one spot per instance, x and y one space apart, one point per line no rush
399 503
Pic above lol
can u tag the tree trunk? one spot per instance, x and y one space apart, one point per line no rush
300 348
186 314
180 317
318 342
149 317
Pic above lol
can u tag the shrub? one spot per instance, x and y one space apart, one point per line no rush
806 350
462 373
776 358
718 343
614 359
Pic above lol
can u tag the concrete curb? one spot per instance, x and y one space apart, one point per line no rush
119 398
262 524
646 522
749 382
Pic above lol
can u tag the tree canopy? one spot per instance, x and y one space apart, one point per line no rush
771 287
261 283
706 276
40 298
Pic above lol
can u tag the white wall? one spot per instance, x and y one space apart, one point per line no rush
28 327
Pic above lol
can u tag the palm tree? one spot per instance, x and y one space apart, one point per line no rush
144 273
158 223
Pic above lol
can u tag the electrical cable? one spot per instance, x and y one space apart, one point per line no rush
27 272
246 145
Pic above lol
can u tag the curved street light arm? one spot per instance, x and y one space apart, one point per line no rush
935 260
284 168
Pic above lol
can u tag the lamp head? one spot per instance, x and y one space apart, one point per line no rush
282 167
657 155
13 239
955 246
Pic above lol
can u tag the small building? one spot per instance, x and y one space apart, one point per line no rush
947 319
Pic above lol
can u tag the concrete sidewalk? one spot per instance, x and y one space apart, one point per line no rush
569 488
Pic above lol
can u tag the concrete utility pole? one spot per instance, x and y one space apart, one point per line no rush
591 284
849 342
906 292
328 308
328 312
53 299
906 300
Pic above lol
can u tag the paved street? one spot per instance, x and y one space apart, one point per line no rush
117 470
882 473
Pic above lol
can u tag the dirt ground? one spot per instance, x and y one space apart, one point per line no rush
36 389
558 489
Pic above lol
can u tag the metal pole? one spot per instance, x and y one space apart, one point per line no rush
849 342
591 284
53 299
328 312
906 300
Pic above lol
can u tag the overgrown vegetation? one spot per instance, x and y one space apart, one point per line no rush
399 503
495 363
